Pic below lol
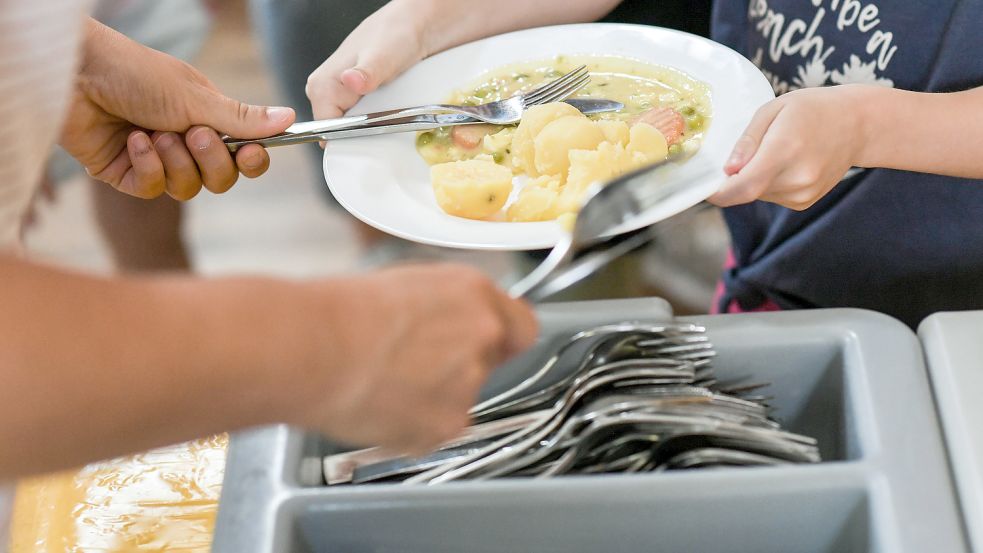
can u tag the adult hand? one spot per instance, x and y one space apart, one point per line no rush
146 122
408 351
797 148
385 45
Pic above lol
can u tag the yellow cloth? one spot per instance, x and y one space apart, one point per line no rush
163 500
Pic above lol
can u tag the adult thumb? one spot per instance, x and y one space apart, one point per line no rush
241 120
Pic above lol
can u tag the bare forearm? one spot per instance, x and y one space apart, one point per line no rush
93 368
939 133
448 23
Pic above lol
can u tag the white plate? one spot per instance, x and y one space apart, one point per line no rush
382 181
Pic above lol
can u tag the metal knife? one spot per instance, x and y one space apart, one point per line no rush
351 127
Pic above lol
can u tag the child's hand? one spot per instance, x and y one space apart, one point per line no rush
796 148
386 44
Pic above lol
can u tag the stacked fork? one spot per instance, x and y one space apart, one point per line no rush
617 398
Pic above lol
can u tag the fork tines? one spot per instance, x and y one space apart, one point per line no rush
557 90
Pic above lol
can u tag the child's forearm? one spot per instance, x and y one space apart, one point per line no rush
448 23
939 133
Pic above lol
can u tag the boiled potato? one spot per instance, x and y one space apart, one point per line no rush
600 165
551 182
554 142
647 144
615 132
533 204
569 201
533 121
474 189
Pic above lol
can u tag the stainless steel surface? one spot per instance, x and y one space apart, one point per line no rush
632 404
502 112
598 349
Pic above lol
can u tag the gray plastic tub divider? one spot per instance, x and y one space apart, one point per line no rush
855 380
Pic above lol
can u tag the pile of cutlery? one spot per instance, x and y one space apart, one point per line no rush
613 399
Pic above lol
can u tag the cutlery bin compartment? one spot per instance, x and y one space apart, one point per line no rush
853 380
682 512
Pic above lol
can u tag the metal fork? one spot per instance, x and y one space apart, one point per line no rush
606 208
509 110
502 112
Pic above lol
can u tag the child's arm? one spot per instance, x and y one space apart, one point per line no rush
798 147
404 32
925 132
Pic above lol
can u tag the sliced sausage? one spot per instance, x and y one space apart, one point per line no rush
669 122
469 137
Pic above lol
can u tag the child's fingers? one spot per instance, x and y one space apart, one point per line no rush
738 189
748 185
747 145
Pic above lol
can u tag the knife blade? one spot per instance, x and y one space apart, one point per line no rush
307 132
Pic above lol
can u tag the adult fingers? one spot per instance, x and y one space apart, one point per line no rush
218 171
145 176
521 324
235 118
252 160
183 181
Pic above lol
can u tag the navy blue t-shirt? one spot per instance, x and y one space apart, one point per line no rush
905 244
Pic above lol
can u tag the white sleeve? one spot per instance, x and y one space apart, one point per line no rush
38 52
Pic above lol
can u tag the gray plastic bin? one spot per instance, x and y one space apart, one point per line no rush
853 379
954 354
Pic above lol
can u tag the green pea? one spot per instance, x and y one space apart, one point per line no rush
498 157
482 93
675 150
688 111
424 139
695 122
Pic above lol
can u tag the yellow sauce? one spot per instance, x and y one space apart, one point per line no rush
638 85
163 500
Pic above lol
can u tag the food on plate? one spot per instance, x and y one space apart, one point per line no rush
469 137
474 188
553 144
647 143
555 154
669 122
615 132
537 200
533 121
